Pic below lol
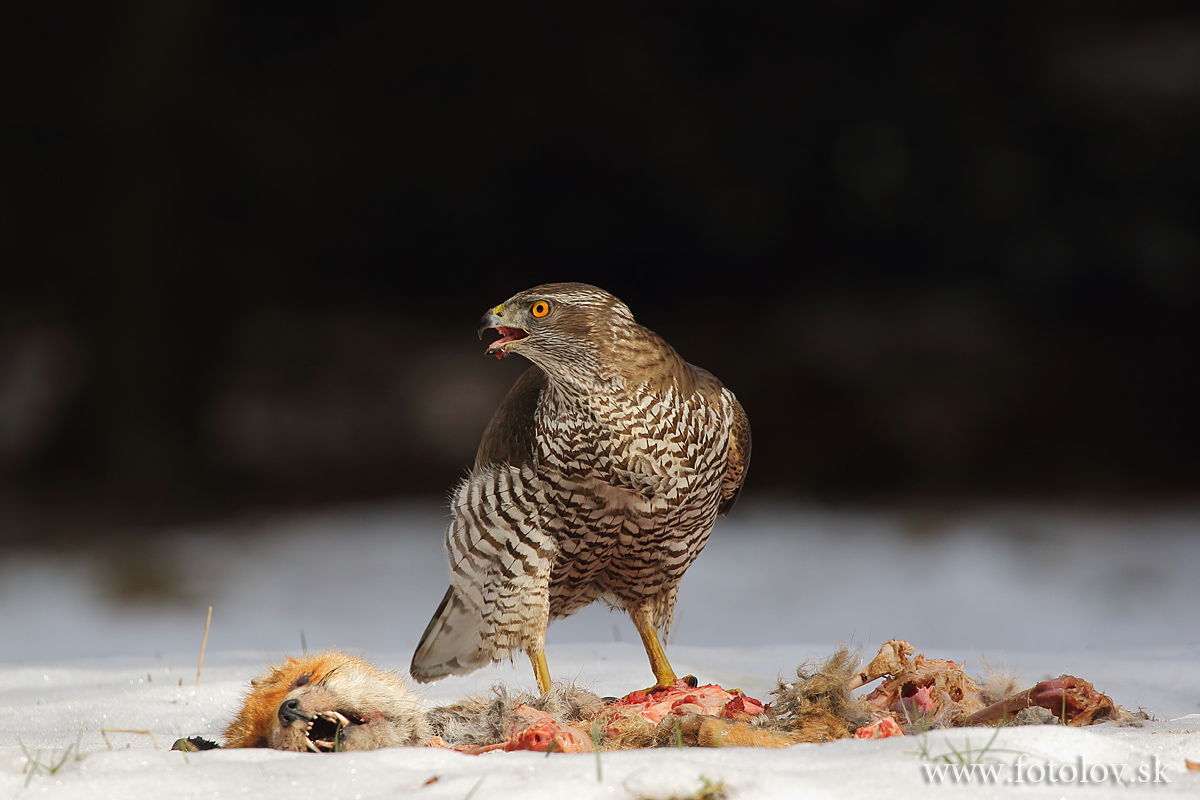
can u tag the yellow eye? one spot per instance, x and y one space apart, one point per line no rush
540 309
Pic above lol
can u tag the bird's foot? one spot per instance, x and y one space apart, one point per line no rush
686 682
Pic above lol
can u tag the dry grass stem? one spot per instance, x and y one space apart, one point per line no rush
203 645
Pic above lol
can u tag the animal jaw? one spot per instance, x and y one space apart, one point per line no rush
322 733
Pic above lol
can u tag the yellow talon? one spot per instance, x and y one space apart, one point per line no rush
541 670
663 674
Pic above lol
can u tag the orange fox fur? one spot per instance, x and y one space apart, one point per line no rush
334 701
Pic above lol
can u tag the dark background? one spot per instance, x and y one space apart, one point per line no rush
941 255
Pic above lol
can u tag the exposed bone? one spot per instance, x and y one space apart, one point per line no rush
893 658
920 691
1069 698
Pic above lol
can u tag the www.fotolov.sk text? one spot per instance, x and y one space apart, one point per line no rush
1045 772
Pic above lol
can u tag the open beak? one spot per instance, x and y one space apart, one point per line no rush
499 348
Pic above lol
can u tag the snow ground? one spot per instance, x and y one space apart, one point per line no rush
1109 598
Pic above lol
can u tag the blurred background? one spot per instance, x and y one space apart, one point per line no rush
944 256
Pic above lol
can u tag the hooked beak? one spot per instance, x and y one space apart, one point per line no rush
508 335
489 320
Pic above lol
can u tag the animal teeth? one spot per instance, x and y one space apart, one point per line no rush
335 716
312 746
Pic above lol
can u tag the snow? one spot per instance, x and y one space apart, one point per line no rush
1108 597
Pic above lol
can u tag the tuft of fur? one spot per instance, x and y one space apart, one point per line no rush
1124 718
998 686
818 706
699 730
1035 715
626 729
484 720
477 720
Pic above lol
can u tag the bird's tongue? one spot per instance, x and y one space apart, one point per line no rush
506 335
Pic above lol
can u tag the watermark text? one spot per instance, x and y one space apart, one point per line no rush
1026 770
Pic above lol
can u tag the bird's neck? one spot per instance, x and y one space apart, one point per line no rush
629 361
579 381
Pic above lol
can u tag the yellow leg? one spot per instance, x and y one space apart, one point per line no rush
663 674
541 671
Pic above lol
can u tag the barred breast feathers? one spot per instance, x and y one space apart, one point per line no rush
635 359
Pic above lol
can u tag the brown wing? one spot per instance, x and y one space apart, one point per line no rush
739 438
511 435
739 459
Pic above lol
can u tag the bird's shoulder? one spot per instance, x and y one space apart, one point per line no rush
645 360
700 380
510 438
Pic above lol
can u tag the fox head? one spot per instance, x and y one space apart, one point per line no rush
328 702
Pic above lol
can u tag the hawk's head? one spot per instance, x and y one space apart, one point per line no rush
561 327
